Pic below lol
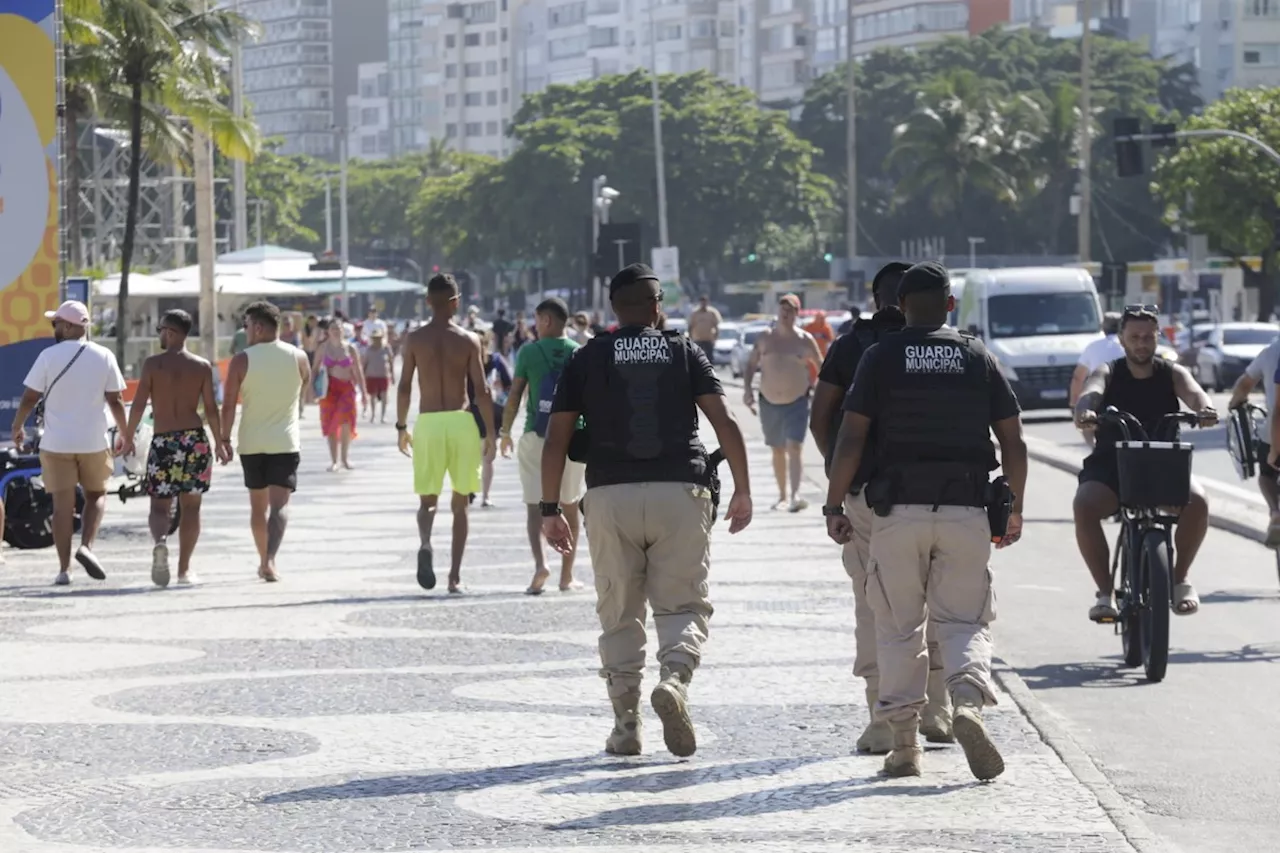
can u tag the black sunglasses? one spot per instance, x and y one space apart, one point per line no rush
1142 312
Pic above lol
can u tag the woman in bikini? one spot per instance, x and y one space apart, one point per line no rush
338 411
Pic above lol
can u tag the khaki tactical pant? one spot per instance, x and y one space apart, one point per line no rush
650 544
856 555
921 558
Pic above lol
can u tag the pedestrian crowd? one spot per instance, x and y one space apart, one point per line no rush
901 406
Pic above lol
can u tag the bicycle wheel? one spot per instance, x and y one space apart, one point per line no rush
1156 604
1127 602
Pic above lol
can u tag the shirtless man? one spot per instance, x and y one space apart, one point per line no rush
180 462
704 327
445 438
783 355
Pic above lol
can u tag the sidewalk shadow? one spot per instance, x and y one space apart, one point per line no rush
40 592
792 798
1230 596
1116 674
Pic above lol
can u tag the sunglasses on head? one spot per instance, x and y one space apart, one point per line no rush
1144 311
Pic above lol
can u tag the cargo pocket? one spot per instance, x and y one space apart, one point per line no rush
873 589
989 605
700 498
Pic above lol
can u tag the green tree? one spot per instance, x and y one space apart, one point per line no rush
149 64
1228 189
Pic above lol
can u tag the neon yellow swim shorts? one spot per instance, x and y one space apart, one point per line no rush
446 442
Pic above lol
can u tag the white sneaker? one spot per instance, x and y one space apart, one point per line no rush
63 579
160 565
189 579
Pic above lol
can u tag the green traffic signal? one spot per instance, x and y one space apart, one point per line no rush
827 257
751 258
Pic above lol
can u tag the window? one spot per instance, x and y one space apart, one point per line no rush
450 101
777 76
1265 55
779 7
368 145
471 40
491 128
451 131
703 28
604 36
450 71
1248 336
668 32
491 97
474 128
370 115
491 38
472 69
567 15
450 41
564 48
506 96
1029 314
472 99
504 38
1262 8
491 68
780 38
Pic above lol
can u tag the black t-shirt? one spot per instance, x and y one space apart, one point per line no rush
841 362
501 328
640 412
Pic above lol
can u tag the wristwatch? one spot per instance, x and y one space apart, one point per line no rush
401 427
828 511
549 509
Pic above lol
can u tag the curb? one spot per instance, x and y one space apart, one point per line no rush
1054 732
1050 455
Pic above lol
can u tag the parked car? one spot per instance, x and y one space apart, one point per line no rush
725 343
1219 354
741 352
677 324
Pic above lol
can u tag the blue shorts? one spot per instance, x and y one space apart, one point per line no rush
784 423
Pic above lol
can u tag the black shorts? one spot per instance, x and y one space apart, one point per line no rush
708 347
1265 470
270 469
1101 467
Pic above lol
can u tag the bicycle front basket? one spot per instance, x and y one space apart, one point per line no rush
1154 473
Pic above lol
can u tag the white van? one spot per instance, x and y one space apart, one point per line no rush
1035 321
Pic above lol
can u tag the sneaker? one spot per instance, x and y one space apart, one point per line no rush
160 565
92 567
798 505
63 579
189 579
985 760
671 704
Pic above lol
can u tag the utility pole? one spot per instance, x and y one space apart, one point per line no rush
239 178
257 209
202 161
1086 133
660 164
851 146
342 218
328 213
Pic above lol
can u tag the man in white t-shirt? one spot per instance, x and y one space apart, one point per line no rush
374 325
74 377
1096 354
1262 371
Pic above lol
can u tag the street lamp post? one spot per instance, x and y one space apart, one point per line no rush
343 235
974 242
328 213
602 197
239 179
659 160
1086 134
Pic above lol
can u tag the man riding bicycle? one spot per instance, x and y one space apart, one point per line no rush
1148 388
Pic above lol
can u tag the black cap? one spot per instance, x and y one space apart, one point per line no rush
630 275
924 276
887 278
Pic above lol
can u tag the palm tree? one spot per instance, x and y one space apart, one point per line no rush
155 64
954 142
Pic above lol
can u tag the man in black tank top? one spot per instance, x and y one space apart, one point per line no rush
1148 388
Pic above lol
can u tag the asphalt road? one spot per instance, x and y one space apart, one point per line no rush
1195 754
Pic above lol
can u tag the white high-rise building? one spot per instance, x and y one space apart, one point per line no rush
288 73
369 114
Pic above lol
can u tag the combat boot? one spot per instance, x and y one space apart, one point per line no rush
625 737
935 720
984 759
906 755
877 737
670 701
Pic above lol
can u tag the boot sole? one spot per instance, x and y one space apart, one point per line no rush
625 748
677 728
939 735
985 761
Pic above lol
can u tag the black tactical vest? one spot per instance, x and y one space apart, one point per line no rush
640 413
867 333
932 431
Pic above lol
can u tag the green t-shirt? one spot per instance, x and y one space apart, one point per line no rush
534 361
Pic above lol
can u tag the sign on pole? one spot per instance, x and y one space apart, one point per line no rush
666 263
29 262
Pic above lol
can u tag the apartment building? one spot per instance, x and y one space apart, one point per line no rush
288 73
369 113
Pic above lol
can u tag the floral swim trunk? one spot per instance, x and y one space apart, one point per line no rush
179 463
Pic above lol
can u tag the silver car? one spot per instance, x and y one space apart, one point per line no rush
741 352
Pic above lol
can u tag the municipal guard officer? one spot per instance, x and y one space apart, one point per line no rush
833 385
650 488
930 397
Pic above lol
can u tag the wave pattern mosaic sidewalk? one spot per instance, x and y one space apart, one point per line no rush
344 710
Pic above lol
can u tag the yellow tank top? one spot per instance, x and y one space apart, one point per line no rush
269 400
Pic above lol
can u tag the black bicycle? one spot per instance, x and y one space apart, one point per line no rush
1247 433
1155 483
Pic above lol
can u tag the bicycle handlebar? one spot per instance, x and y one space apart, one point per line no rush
1129 425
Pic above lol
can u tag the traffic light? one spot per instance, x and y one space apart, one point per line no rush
826 252
1165 135
752 257
1128 151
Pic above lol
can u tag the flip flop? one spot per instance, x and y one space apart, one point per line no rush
1185 600
426 571
536 588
